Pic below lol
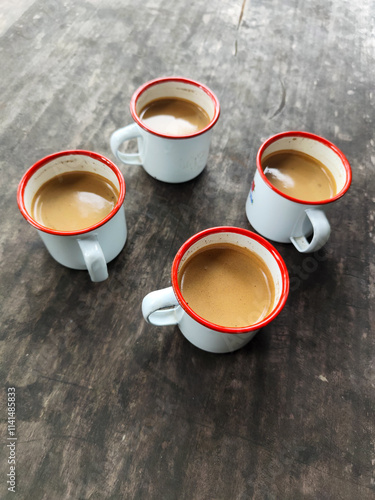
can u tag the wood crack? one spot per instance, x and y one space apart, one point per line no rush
238 25
241 14
282 101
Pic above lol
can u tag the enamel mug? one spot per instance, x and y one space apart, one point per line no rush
168 306
168 158
90 248
282 218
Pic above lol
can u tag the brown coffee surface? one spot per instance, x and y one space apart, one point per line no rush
73 201
227 285
299 175
174 116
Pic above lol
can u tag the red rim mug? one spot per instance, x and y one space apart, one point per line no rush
90 248
168 306
165 156
283 218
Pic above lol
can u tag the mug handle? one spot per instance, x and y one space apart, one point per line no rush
125 134
321 232
160 307
94 258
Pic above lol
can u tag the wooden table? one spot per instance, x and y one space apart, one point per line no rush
109 407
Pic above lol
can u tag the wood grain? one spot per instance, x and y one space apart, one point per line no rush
109 407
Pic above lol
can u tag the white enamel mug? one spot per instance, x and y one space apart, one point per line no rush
90 248
168 158
168 306
285 219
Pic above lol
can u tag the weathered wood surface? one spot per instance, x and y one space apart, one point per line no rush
109 407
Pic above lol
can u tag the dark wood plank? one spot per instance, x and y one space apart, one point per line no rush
110 407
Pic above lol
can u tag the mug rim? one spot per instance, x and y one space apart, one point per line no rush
47 159
313 137
244 232
180 79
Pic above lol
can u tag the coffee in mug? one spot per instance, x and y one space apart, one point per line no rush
174 116
173 122
227 285
299 175
74 200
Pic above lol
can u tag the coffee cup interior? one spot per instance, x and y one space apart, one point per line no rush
59 164
318 148
178 88
244 239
